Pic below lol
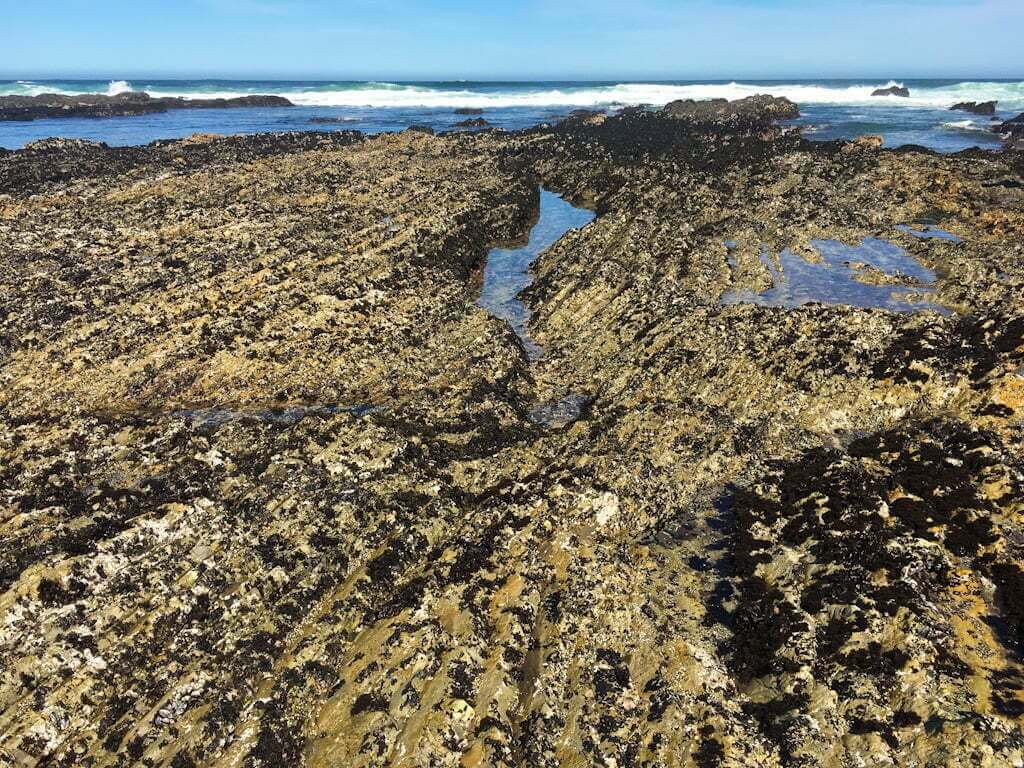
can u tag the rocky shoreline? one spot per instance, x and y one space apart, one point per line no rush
273 494
52 105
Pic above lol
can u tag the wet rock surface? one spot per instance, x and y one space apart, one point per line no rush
1012 132
976 107
873 273
893 90
275 491
51 105
759 109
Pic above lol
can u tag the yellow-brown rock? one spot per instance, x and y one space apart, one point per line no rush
271 493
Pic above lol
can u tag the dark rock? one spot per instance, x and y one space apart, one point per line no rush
469 111
421 129
895 90
976 107
477 122
556 414
760 109
52 105
1012 132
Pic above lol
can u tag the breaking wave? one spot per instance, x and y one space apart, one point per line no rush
1010 95
118 86
968 126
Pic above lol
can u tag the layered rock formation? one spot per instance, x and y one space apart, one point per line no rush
51 105
274 495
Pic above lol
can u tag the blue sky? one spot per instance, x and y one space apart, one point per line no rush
535 39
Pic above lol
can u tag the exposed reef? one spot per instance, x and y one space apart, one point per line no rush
893 90
275 491
986 108
51 105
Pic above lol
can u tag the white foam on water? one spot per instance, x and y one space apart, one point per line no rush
383 95
118 86
27 88
968 126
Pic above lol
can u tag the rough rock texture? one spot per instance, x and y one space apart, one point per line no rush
893 90
1012 132
50 105
474 122
976 107
761 109
272 494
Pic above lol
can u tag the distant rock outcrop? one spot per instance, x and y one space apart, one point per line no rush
469 111
53 105
894 90
986 108
475 122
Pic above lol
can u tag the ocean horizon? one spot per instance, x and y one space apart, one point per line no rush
831 108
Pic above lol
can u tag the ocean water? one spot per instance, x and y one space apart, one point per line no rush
831 108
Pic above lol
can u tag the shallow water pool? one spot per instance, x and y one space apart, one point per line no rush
873 274
507 270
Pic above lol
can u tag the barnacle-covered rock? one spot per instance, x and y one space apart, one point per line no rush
275 491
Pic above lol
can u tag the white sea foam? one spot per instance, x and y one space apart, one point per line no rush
1011 95
26 88
382 95
118 86
968 126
